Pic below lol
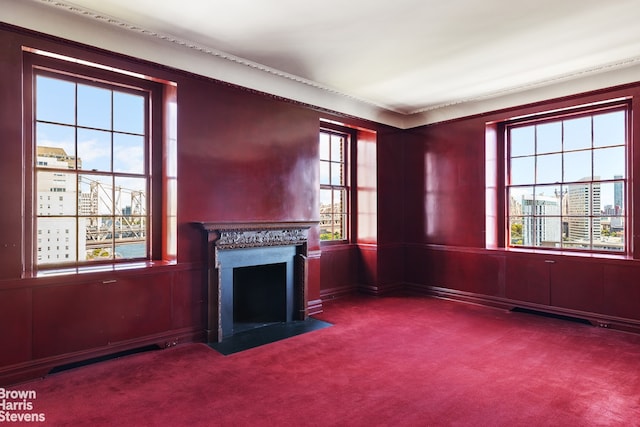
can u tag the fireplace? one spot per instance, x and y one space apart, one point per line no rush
260 295
256 275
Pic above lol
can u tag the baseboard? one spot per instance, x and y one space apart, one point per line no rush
30 370
382 290
596 319
337 292
461 296
314 307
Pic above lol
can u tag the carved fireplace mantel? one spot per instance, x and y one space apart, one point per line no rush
227 238
231 235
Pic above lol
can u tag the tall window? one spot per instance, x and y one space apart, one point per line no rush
567 180
91 171
334 188
99 167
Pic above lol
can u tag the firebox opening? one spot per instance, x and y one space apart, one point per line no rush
259 296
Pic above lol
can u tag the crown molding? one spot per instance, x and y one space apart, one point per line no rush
64 20
597 78
204 49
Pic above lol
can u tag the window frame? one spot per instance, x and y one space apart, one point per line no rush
159 161
348 178
504 186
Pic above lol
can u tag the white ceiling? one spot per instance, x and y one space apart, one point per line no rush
401 62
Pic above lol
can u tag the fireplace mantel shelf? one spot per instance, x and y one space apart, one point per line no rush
235 235
257 225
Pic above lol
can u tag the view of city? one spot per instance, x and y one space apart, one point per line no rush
332 222
566 184
110 221
90 174
569 218
333 189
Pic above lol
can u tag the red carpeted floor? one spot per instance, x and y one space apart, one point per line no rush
400 361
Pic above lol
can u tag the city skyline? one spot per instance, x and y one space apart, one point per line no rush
572 219
73 223
91 170
551 154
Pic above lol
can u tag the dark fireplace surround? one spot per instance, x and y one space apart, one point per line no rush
273 252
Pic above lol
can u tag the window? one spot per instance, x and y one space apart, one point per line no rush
95 149
566 181
91 143
334 188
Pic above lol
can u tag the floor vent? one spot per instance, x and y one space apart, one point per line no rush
93 360
551 315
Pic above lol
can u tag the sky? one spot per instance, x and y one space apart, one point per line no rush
563 154
331 147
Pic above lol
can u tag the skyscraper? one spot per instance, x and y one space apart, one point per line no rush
584 201
55 206
541 220
618 199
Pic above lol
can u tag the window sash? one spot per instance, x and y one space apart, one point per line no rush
560 190
101 214
334 188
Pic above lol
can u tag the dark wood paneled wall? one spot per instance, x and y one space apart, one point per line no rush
246 156
445 219
241 156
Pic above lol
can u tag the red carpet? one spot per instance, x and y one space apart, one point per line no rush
391 361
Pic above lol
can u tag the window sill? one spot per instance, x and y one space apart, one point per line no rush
102 268
578 254
329 243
